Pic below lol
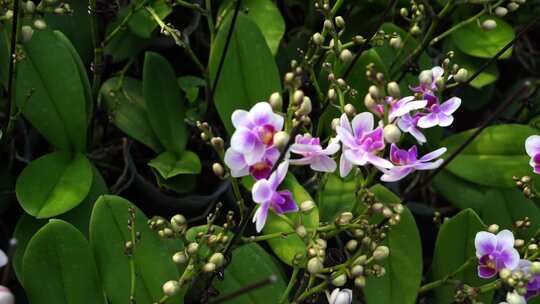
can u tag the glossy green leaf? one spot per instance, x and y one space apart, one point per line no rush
496 155
475 41
265 14
454 246
79 217
4 55
50 93
170 164
182 183
125 44
142 23
459 192
286 248
127 110
249 74
404 264
152 256
54 184
335 197
251 263
59 267
164 102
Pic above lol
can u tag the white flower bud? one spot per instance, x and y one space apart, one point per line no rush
209 267
505 273
374 92
29 7
218 169
192 248
170 288
307 206
332 94
461 75
493 228
305 107
501 11
314 265
357 270
351 245
396 42
281 139
346 56
403 12
298 97
392 134
335 123
8 14
489 24
535 268
27 32
512 6
180 258
415 30
393 89
369 102
40 24
343 296
276 101
518 243
380 253
426 77
350 109
318 39
217 259
515 298
360 282
340 22
328 24
340 280
301 231
345 218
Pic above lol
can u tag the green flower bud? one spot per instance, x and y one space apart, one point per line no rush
281 139
314 265
180 258
40 24
381 253
360 282
217 258
339 280
461 75
317 39
276 101
170 288
501 11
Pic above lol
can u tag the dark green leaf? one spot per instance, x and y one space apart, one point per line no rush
170 164
190 85
59 267
335 197
142 23
459 192
54 184
249 73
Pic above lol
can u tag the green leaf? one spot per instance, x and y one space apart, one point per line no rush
164 102
459 192
265 14
475 41
142 23
251 263
404 264
54 184
79 217
125 44
249 74
496 155
50 93
59 267
152 255
454 246
4 56
126 107
335 197
182 183
190 85
286 248
170 164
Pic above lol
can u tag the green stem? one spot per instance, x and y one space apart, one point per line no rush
490 286
98 50
123 24
447 278
292 281
210 20
192 6
311 291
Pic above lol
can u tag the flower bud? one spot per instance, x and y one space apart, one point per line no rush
360 282
305 107
374 92
6 297
340 22
332 94
301 231
276 101
27 32
392 134
298 97
340 280
393 89
535 268
180 258
281 139
8 14
314 265
493 228
532 247
218 170
321 243
489 24
357 270
351 245
209 267
192 248
29 7
396 42
217 142
515 298
318 39
404 12
170 288
369 102
426 77
461 75
518 243
40 24
501 11
307 206
328 24
415 30
350 109
178 220
288 78
512 6
335 123
345 218
346 56
381 253
217 259
505 273
338 296
358 40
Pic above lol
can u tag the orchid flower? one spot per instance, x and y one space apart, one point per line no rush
361 143
343 296
239 167
440 114
404 106
429 87
514 298
6 297
3 258
533 284
405 162
532 146
313 154
495 252
265 194
409 124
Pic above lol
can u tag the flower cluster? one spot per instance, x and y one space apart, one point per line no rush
532 146
496 254
257 143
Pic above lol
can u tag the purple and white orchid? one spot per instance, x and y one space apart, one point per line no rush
313 154
265 194
440 114
532 146
405 162
495 252
409 124
361 143
252 150
430 87
533 284
404 106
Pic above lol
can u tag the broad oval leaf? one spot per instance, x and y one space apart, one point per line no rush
286 248
126 108
335 197
454 246
170 164
404 264
249 74
59 267
459 192
251 263
54 184
50 93
475 41
164 102
152 255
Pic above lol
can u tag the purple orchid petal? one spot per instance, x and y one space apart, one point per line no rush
404 106
240 118
286 204
261 113
485 243
532 145
259 218
243 140
505 239
345 166
509 258
344 123
429 166
428 121
323 163
486 272
301 161
305 148
262 191
432 155
395 174
444 120
450 106
256 154
362 123
236 162
346 137
332 147
356 157
279 175
379 161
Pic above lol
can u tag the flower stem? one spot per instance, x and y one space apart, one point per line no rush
435 284
311 291
285 296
